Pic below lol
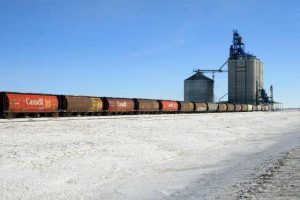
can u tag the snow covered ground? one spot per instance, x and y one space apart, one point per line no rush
185 156
274 179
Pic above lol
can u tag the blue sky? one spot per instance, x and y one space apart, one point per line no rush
143 48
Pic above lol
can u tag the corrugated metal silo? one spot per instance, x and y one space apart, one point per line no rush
245 76
198 88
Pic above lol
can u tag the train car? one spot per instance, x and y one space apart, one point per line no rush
80 105
117 105
271 107
186 106
254 108
258 107
1 104
28 104
212 107
146 105
264 108
201 107
237 107
244 107
168 106
249 107
230 107
222 107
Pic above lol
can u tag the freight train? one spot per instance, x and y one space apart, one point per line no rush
14 104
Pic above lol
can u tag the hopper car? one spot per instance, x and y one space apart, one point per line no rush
186 107
222 107
13 104
166 106
230 107
34 105
201 107
244 107
79 105
213 107
146 106
118 105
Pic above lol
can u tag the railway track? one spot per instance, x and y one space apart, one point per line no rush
81 118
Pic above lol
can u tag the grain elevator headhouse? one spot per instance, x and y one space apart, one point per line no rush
245 74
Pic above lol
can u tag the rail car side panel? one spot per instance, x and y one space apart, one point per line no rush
249 108
146 105
118 105
258 107
81 104
264 108
254 108
212 107
1 102
222 107
244 107
230 107
168 105
237 107
30 103
201 107
186 106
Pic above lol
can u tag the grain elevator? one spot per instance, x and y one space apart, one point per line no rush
245 74
245 79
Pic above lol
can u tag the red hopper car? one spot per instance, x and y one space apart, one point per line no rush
165 105
19 103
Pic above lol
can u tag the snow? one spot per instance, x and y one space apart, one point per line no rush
183 156
274 179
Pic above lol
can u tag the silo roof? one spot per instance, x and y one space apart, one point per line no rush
199 76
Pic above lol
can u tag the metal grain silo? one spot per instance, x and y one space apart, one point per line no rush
198 88
245 77
245 73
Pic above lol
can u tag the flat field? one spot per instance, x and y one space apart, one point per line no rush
183 156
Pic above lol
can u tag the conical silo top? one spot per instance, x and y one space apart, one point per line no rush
199 76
